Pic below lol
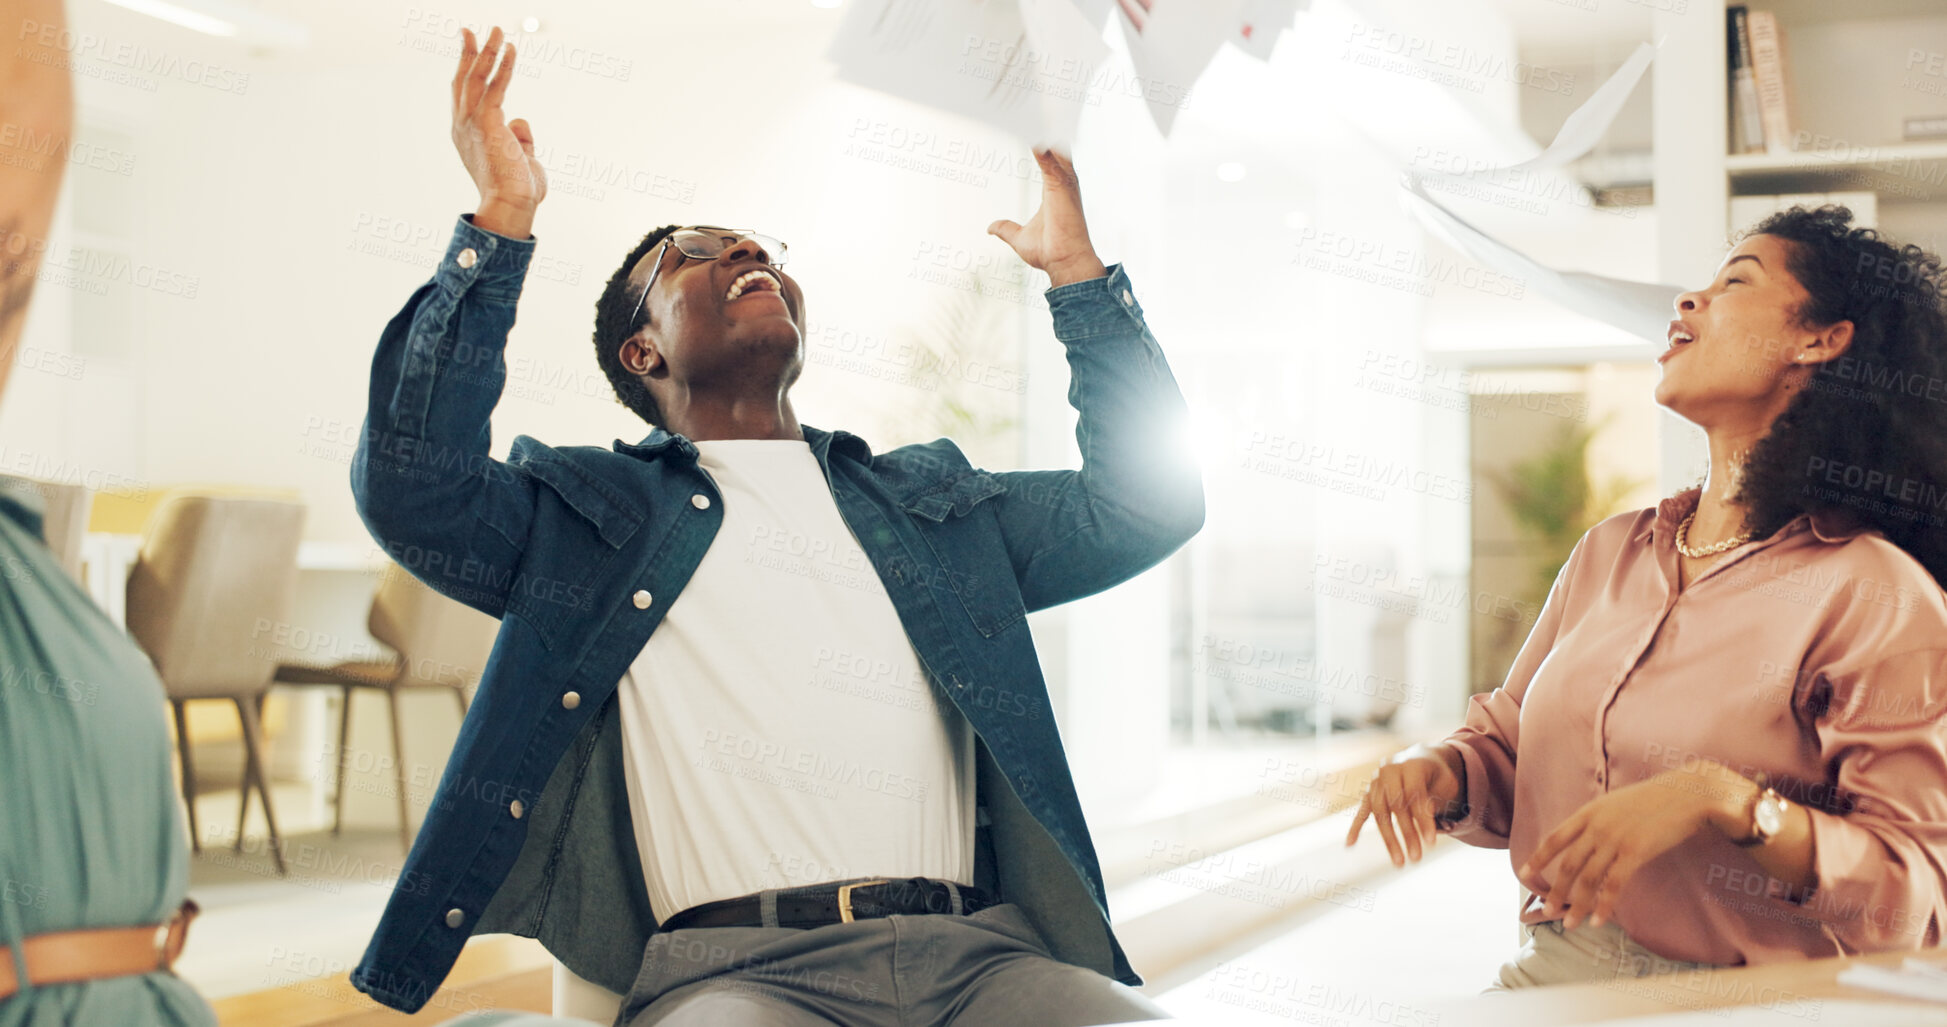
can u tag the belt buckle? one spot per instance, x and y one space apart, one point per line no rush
845 898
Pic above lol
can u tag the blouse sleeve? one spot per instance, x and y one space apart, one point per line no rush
1880 860
1491 736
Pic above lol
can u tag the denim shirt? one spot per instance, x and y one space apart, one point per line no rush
580 551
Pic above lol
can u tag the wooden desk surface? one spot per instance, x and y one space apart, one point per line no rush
1799 992
492 973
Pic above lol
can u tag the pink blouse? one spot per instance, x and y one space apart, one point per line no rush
1817 656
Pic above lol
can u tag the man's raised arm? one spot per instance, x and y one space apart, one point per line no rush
1139 494
424 478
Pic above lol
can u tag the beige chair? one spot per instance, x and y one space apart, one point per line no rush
64 516
209 572
435 642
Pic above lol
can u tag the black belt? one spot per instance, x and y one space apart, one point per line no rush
821 905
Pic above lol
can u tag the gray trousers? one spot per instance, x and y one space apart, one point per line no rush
987 968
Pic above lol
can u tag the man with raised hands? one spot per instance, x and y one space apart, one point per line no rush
733 779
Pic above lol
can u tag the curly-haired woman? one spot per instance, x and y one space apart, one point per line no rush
1725 740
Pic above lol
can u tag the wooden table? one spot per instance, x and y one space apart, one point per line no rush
1799 992
493 973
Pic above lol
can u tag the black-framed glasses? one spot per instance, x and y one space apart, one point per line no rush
706 242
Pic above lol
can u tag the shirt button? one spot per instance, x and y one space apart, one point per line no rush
455 918
700 501
466 258
516 809
642 599
1127 298
570 700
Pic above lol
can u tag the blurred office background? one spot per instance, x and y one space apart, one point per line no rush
1398 444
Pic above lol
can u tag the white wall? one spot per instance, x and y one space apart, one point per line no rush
306 209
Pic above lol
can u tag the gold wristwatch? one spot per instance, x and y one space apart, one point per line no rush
1767 816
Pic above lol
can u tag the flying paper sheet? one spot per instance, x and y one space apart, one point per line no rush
1023 66
1639 308
1027 66
1096 11
1171 42
1585 126
1264 22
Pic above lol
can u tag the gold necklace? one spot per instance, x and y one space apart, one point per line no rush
1683 540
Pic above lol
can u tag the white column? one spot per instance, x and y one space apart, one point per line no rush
1692 217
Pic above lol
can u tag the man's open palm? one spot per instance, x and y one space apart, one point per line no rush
499 154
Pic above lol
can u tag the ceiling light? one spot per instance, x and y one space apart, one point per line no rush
1230 171
234 20
195 21
530 24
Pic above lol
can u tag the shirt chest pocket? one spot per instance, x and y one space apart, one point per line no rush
958 520
580 523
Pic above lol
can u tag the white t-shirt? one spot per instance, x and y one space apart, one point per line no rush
778 729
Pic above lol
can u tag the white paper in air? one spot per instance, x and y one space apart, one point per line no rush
1177 41
1264 21
1022 66
1639 308
1027 67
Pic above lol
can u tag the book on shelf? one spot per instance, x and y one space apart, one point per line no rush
1747 126
1769 69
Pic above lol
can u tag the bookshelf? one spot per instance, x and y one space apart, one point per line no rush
1856 71
1900 172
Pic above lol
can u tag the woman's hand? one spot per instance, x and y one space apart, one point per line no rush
1605 842
499 154
1055 240
1408 789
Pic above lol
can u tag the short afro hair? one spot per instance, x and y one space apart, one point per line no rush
616 320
